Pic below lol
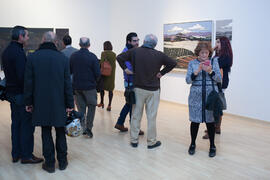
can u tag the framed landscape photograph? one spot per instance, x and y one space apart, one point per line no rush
224 28
180 40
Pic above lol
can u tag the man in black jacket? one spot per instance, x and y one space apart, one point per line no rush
146 63
22 131
85 69
48 95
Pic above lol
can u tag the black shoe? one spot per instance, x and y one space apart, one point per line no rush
63 165
84 132
89 133
158 143
134 145
191 149
14 160
141 133
48 169
212 152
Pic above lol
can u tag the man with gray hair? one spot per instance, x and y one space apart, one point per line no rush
146 63
85 69
48 95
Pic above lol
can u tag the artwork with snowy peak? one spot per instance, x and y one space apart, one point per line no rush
180 40
224 28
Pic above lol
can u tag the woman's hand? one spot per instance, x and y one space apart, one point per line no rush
199 69
207 68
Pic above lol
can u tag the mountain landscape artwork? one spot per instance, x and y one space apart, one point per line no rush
180 40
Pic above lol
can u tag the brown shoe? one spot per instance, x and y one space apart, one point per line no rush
141 133
100 105
205 136
33 160
121 128
109 108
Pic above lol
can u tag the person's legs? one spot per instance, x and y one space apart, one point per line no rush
15 132
125 110
48 146
151 107
102 93
136 117
110 98
218 130
81 102
61 146
90 116
194 127
211 133
26 134
91 97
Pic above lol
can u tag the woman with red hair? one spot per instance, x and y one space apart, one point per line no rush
224 55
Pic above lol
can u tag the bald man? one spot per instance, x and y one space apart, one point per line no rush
48 96
84 66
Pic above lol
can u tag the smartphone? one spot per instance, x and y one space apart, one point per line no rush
206 63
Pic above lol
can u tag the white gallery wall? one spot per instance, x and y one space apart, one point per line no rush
83 17
101 20
248 94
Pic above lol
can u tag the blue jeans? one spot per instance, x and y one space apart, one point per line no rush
22 129
126 109
123 114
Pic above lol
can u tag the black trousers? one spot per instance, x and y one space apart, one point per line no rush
48 145
22 129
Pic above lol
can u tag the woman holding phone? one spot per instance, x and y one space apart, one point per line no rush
224 56
200 74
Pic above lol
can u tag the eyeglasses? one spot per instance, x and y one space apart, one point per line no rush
135 40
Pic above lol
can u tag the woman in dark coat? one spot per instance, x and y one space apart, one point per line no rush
108 81
224 56
200 75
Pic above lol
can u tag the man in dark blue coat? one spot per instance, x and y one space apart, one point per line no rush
85 69
22 131
48 95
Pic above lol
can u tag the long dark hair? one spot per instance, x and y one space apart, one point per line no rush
225 49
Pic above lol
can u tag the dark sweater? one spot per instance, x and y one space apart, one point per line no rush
84 66
14 60
146 63
225 64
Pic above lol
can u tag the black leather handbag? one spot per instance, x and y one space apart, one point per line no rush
130 95
214 102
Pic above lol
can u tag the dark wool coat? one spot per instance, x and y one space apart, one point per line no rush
47 86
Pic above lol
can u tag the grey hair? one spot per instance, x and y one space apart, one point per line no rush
150 41
49 36
84 42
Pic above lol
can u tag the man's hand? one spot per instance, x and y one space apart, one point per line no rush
129 72
159 75
29 108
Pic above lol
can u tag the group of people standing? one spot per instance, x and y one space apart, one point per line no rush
43 88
